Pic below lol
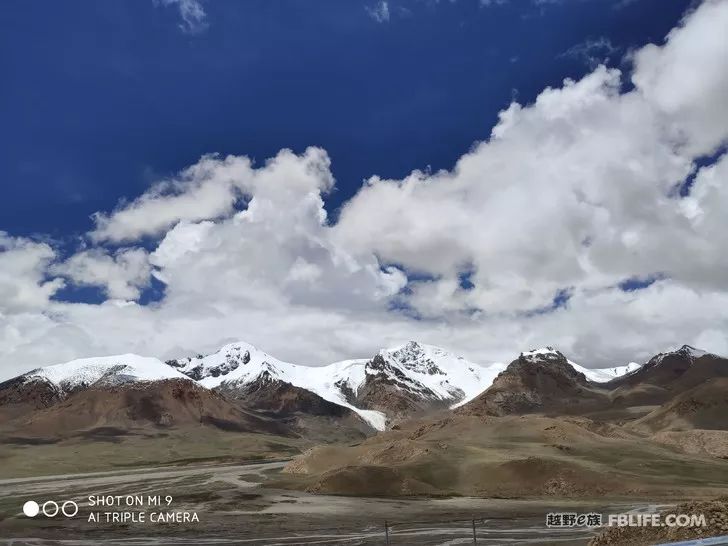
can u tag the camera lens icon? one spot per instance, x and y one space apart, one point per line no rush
50 509
69 509
31 509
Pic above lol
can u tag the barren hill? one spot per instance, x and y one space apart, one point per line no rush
178 403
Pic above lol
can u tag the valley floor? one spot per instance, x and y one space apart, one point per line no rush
235 505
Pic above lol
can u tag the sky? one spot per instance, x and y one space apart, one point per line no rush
325 179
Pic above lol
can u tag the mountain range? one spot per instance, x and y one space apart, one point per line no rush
412 419
544 427
398 383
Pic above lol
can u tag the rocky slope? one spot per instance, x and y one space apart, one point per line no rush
107 409
239 369
505 457
45 387
539 381
544 428
666 375
71 395
416 379
715 513
684 367
693 421
304 411
22 395
702 407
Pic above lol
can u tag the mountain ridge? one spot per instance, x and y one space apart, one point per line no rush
399 382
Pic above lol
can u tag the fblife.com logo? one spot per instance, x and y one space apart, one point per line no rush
50 509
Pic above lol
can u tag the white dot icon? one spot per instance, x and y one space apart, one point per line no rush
31 509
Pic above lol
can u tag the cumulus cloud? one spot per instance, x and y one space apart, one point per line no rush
575 190
122 275
687 80
278 251
24 285
205 190
567 199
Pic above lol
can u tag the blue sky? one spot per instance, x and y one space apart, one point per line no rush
100 98
325 178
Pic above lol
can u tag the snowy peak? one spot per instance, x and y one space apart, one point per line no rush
547 359
233 361
686 352
415 378
545 354
542 380
417 358
678 360
44 387
108 370
692 351
240 364
425 374
596 375
237 366
397 383
432 371
551 358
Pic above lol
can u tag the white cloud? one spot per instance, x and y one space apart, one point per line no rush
24 285
576 190
379 11
687 78
194 18
205 190
583 163
571 194
276 252
122 275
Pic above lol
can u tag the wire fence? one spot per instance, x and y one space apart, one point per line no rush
393 528
473 530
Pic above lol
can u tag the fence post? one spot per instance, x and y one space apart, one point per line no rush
386 531
475 538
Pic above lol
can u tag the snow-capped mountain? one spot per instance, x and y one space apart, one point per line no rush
53 383
432 371
45 387
687 353
416 378
677 370
396 382
108 370
542 380
597 375
238 365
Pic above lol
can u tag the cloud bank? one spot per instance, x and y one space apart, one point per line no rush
584 221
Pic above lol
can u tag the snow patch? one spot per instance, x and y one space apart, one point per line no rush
541 351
